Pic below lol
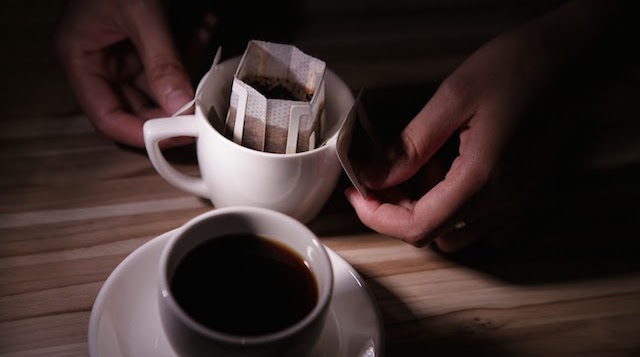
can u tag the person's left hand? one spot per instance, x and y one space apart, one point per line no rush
124 64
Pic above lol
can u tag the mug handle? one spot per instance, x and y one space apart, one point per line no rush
163 128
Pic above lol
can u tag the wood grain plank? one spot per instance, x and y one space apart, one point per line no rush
76 234
55 335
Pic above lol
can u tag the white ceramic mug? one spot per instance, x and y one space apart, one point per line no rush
190 338
232 175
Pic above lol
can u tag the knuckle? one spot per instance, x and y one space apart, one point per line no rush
417 233
457 91
478 176
100 125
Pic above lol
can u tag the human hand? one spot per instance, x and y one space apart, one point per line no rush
122 63
482 103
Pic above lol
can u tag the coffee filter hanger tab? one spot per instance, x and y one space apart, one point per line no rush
192 102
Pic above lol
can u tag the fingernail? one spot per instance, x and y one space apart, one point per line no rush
176 99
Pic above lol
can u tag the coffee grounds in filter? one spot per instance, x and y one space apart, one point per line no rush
279 88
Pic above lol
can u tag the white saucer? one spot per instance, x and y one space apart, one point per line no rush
125 322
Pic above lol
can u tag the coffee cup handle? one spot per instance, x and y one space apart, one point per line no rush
163 128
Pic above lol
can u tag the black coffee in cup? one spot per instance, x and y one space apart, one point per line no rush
244 284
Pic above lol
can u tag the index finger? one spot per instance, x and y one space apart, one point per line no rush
100 100
147 24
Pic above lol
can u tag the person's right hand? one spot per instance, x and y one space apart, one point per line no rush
480 103
122 64
484 103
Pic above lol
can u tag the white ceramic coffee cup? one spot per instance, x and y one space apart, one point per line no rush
232 175
190 338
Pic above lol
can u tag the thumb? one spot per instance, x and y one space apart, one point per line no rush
425 134
149 31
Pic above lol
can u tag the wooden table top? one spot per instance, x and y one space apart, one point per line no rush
73 205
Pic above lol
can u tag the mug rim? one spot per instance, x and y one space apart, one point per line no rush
200 115
324 296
